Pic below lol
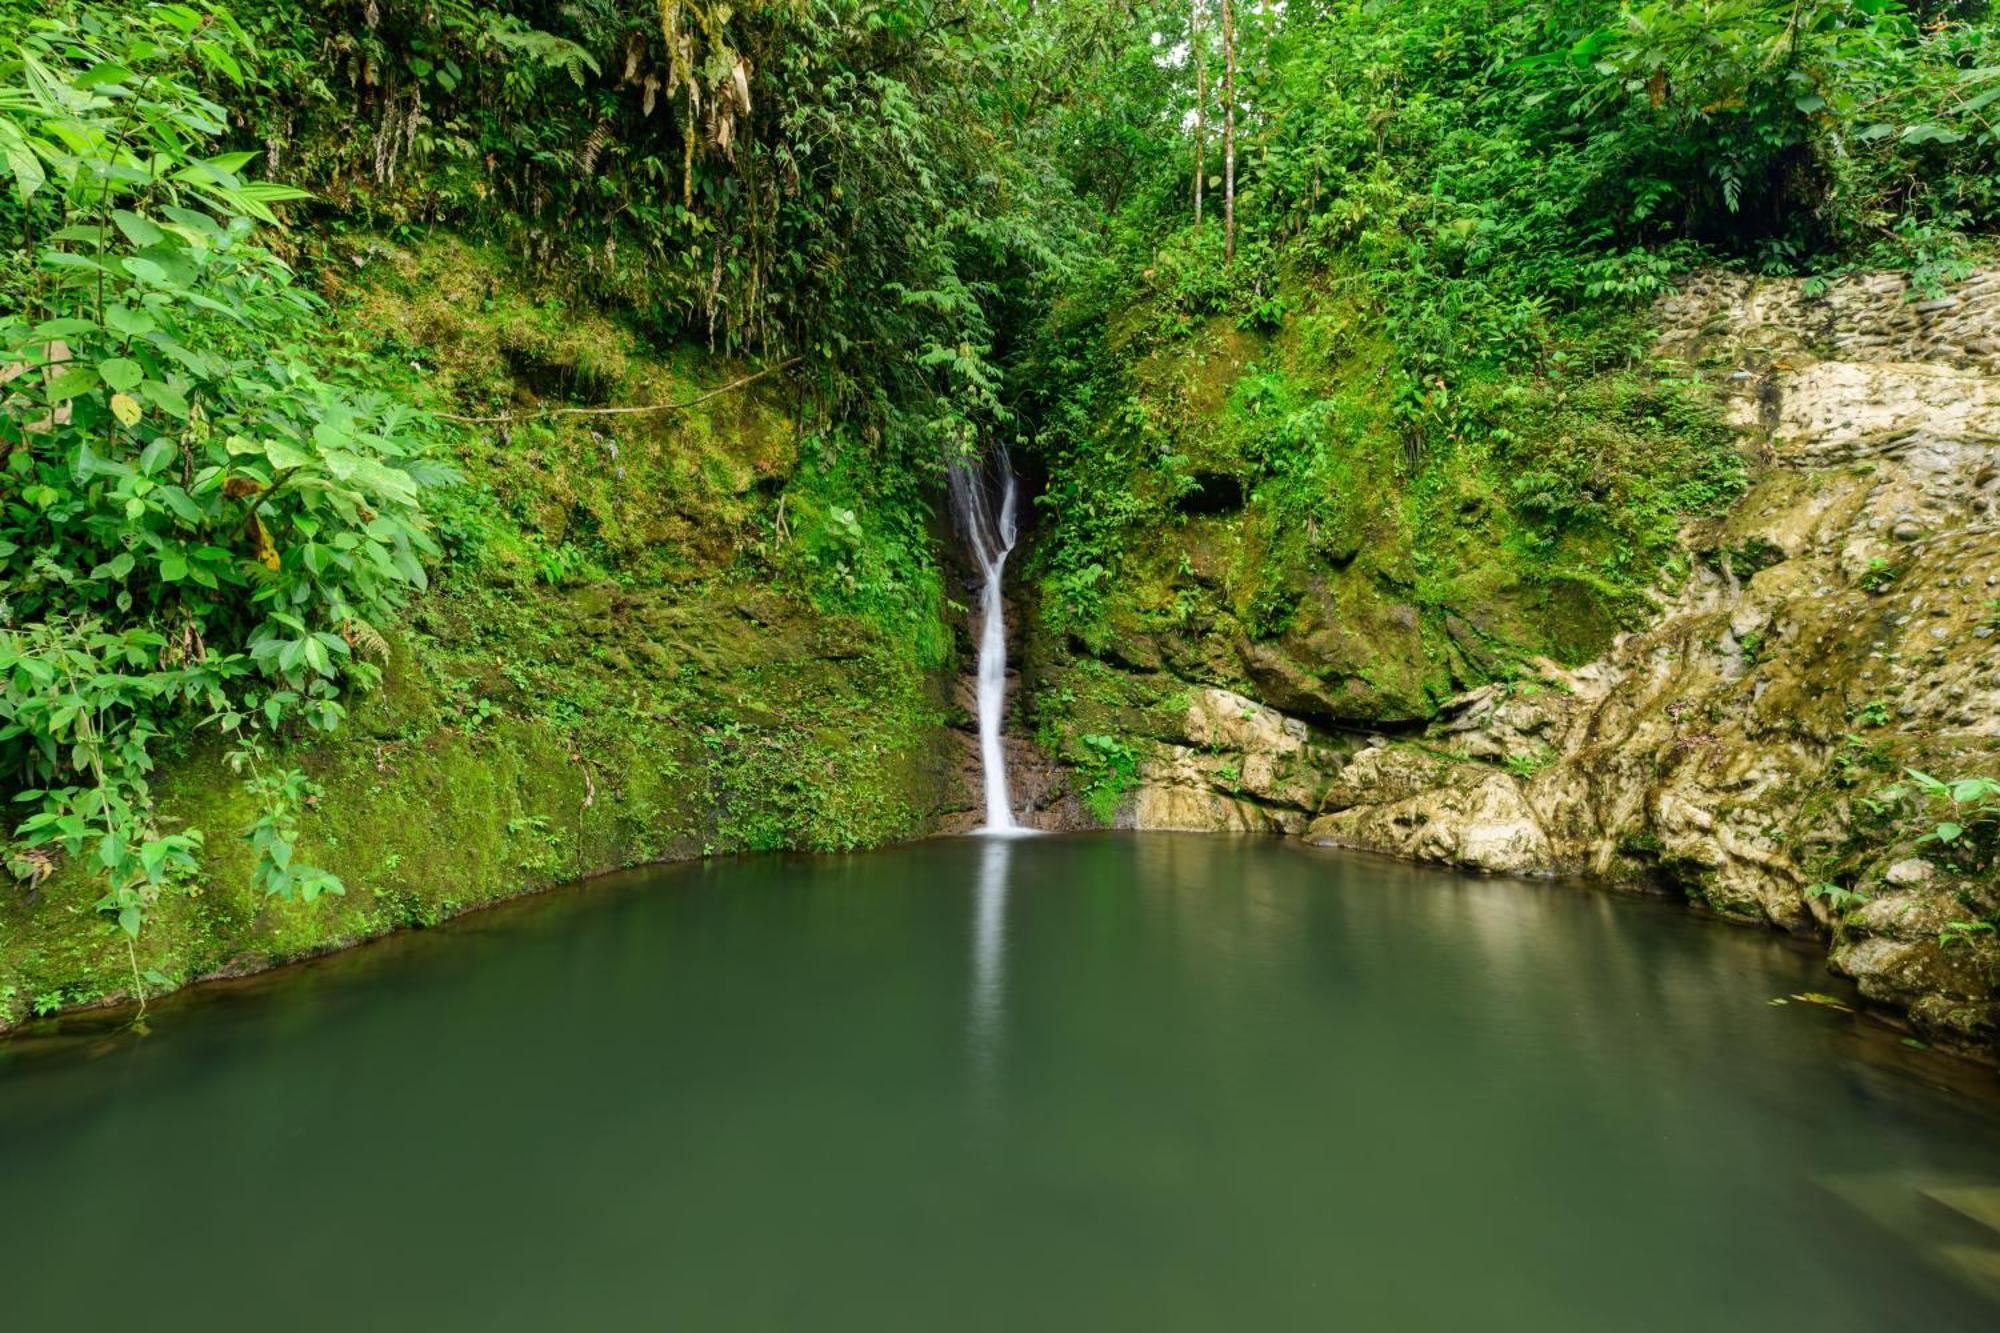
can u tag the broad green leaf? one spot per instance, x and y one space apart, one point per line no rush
102 73
286 457
138 230
228 163
180 503
121 373
147 271
165 397
218 56
410 568
54 330
271 192
22 163
72 382
1919 134
131 323
385 482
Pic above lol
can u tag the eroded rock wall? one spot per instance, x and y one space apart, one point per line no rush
1838 627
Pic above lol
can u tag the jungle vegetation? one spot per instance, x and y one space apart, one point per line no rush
936 223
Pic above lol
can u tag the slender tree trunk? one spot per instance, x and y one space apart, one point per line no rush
1228 132
1200 107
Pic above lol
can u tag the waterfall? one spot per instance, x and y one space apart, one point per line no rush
989 534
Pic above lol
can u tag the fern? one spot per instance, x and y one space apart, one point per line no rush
366 639
546 48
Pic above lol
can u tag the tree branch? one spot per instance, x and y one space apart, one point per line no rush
636 410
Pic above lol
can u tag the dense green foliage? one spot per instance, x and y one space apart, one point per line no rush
1487 168
202 516
825 177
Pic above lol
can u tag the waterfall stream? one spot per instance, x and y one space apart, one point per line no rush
987 521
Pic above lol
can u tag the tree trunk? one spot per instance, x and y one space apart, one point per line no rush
1228 132
1200 108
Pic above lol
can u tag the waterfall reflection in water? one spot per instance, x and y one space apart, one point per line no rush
987 1021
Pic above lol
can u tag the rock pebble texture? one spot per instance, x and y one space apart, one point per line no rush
1840 626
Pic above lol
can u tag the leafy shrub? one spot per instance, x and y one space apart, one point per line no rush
1840 899
1961 818
1110 768
1792 124
201 521
1957 823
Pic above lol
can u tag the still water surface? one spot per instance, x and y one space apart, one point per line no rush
1102 1083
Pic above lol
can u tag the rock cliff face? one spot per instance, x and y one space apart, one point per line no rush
1837 629
1236 766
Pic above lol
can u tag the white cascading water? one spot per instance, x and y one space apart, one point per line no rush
989 533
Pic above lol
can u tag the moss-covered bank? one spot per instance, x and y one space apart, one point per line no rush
656 635
1256 498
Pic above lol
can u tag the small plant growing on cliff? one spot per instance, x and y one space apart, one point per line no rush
544 843
1874 713
1959 817
1965 932
1529 763
1879 576
283 794
1839 899
1110 769
1856 759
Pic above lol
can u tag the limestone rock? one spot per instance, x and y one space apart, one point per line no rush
1220 719
1910 872
1241 767
1477 819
